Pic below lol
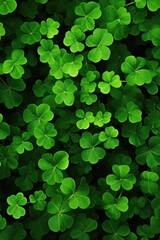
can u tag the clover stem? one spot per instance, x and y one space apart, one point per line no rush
128 4
120 194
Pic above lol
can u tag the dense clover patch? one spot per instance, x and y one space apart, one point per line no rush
79 119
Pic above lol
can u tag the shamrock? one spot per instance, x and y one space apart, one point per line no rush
28 176
45 134
100 40
113 207
149 153
14 231
4 128
76 197
92 153
153 5
20 144
102 118
109 137
148 182
117 21
136 74
72 64
7 6
30 32
49 28
37 115
74 38
121 178
52 166
60 220
2 30
13 64
115 230
130 111
38 200
82 226
110 80
145 232
88 12
136 133
48 51
64 92
15 202
86 119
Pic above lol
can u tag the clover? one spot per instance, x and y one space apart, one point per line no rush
30 32
49 28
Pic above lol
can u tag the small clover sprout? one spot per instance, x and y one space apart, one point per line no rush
16 202
86 119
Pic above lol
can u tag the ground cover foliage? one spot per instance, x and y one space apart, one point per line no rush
79 119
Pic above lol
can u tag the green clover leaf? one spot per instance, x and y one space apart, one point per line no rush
4 128
145 232
88 12
28 176
109 137
14 232
2 222
86 119
38 199
64 92
110 80
113 207
92 153
20 143
9 92
37 115
52 165
13 64
115 230
102 118
72 64
130 112
100 40
7 6
2 30
117 21
15 202
83 226
60 220
49 28
136 74
48 51
30 32
121 178
76 197
148 182
152 5
74 38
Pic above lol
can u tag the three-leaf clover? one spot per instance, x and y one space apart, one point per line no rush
20 143
77 197
49 28
109 137
72 64
13 65
38 199
16 202
121 178
130 111
74 38
148 182
110 80
64 92
7 6
136 74
9 92
83 226
86 119
113 207
91 152
102 118
88 12
60 220
53 165
30 32
100 40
